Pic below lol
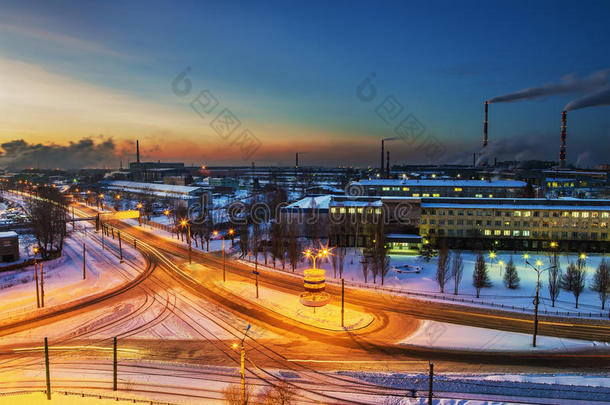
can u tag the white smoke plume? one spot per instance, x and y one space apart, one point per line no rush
597 98
569 84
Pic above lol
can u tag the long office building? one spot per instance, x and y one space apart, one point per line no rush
518 224
445 188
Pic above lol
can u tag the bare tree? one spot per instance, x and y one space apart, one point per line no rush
293 246
232 395
554 279
48 215
601 282
278 394
442 268
457 270
365 268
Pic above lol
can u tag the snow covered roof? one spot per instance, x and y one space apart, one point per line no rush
139 186
8 234
403 237
443 183
524 206
315 202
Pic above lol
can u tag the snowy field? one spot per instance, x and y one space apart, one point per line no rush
450 336
63 277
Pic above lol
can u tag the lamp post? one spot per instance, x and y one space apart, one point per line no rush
185 223
216 233
171 223
139 207
35 250
537 299
242 368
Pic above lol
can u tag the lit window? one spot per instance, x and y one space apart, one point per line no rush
507 232
479 195
342 210
405 189
333 210
517 213
385 188
605 214
436 195
360 210
491 196
351 210
575 214
527 213
516 233
487 232
415 194
584 214
526 233
497 232
377 210
425 195
457 189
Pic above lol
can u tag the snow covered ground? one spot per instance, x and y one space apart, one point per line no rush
63 277
450 336
424 282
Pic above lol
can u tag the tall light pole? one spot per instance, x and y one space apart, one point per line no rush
139 207
537 299
35 249
243 365
185 223
224 268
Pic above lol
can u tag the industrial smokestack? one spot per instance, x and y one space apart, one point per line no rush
296 161
474 159
381 169
562 148
137 151
485 125
387 165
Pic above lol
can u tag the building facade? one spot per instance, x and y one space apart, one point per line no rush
517 224
444 188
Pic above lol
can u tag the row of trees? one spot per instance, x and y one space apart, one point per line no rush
450 267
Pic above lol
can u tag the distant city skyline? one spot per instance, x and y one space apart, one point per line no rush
82 83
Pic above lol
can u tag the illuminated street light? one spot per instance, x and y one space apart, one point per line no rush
185 223
553 244
537 299
582 256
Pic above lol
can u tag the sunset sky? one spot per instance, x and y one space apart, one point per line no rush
289 72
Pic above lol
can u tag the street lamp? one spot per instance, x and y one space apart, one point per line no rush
243 365
537 299
185 223
35 250
216 233
139 207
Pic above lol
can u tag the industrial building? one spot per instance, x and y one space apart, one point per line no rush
176 195
517 224
444 188
9 246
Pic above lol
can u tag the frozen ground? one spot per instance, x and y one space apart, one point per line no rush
63 279
424 282
450 336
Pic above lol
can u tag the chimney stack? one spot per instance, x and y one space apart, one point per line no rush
485 124
382 164
137 151
387 165
562 148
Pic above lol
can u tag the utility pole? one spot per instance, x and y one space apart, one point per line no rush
120 247
73 226
37 288
102 237
46 363
84 255
536 301
224 274
114 365
342 303
430 380
256 274
41 286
